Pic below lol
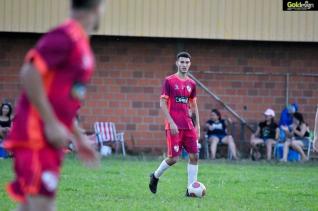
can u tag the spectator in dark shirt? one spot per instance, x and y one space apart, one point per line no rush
297 138
216 129
267 133
5 119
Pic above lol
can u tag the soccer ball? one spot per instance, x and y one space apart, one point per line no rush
105 151
197 189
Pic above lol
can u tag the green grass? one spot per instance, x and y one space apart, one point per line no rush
123 185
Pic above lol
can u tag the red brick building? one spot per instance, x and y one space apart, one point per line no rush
250 76
136 49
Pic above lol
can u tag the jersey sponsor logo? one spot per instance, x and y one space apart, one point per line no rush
182 99
49 180
189 88
176 148
176 87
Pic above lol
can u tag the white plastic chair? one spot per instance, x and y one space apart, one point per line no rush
106 132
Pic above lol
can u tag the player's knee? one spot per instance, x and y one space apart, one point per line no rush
193 158
171 161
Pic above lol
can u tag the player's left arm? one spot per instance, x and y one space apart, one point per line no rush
85 150
195 110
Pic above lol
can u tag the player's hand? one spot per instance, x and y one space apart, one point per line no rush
57 134
198 131
174 128
86 152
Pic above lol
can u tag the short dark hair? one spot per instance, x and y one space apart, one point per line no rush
85 4
183 54
217 112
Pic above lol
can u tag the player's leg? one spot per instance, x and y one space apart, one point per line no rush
174 149
269 145
286 150
231 144
214 143
39 203
189 142
165 164
298 146
193 168
49 161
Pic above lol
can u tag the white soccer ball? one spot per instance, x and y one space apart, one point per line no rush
105 151
197 189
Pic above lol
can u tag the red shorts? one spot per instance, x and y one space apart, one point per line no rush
37 172
185 138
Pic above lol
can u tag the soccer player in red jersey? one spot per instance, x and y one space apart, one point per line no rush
54 78
177 98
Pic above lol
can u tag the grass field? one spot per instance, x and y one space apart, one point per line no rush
123 185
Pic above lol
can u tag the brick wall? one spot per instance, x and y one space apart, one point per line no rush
126 85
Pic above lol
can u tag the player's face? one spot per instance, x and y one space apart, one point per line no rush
98 14
214 116
183 64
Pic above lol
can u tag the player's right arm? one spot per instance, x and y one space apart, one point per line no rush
32 83
85 150
173 127
165 96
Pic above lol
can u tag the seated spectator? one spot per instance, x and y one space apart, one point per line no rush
267 133
286 119
5 125
5 119
297 137
216 129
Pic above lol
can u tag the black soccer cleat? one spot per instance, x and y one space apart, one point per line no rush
187 193
153 183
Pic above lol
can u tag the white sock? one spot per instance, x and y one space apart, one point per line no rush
162 168
192 173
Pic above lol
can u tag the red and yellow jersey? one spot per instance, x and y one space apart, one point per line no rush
179 93
65 63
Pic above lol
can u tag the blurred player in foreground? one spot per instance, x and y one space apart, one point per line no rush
178 95
54 77
316 132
